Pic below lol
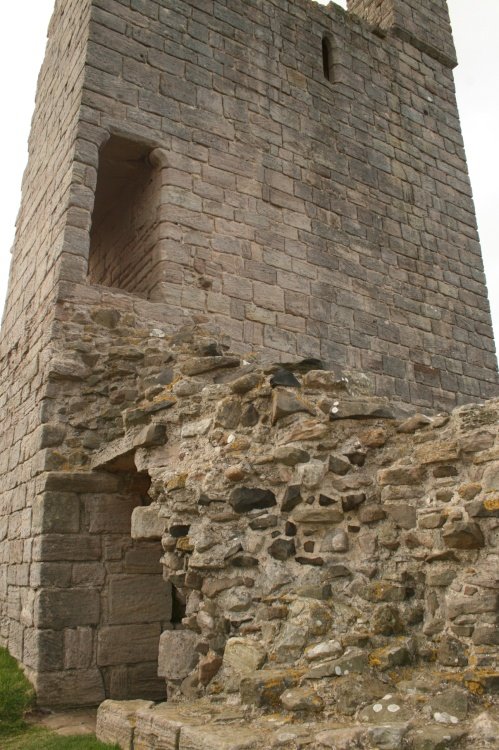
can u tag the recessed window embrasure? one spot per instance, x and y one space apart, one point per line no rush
124 220
327 59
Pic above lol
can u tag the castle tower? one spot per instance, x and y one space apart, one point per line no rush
289 172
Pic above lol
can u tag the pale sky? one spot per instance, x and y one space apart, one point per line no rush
475 27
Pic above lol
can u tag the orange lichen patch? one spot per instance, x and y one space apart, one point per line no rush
239 444
474 687
374 438
479 681
491 502
177 482
184 544
164 397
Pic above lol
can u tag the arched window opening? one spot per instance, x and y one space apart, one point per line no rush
327 58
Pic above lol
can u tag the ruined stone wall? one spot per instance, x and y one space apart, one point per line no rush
335 556
29 312
305 216
278 496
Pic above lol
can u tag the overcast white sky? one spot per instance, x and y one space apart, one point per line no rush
475 27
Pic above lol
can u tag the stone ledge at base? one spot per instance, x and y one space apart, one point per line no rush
201 725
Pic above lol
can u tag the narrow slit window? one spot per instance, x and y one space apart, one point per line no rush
326 58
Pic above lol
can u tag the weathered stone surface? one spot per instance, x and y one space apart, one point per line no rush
109 514
201 365
352 501
291 455
246 383
335 541
485 730
282 549
384 591
338 464
386 620
486 508
59 608
343 409
285 403
146 523
160 726
388 709
116 721
317 516
292 498
245 499
453 702
436 738
371 513
463 535
128 644
356 690
177 655
389 737
194 429
69 687
401 475
220 738
244 655
302 700
340 739
416 422
323 650
131 596
353 660
390 657
265 687
228 413
325 380
452 653
153 434
208 667
284 378
404 516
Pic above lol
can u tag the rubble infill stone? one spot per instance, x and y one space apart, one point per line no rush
243 655
317 516
265 687
201 365
141 414
177 655
436 738
463 535
353 660
302 700
246 499
343 409
285 403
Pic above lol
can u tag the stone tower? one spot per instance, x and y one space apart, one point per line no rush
291 173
